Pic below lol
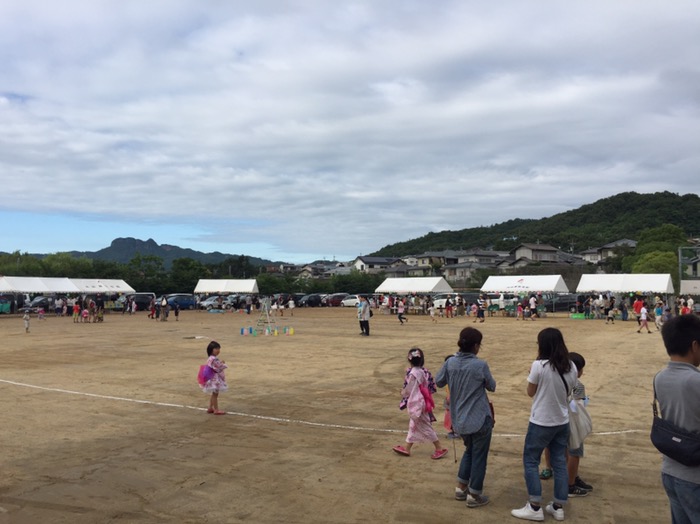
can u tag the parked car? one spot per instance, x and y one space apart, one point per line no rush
335 299
562 302
212 302
142 300
38 303
312 300
350 300
232 302
184 300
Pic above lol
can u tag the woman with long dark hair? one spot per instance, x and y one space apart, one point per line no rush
551 378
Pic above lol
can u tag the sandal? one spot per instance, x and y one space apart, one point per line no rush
210 410
546 474
402 451
439 454
217 412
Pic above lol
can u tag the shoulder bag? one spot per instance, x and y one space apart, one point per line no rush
673 441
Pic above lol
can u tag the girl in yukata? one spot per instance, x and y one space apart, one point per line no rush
217 381
418 400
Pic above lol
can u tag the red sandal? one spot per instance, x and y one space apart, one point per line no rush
402 451
439 454
217 412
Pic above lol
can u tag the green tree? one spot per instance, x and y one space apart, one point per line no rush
185 273
66 265
666 237
658 262
147 273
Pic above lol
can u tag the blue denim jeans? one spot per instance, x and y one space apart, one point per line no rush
472 469
684 497
556 438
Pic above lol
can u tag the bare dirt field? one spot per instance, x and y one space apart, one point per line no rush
106 423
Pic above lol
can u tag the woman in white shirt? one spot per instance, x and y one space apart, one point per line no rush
551 378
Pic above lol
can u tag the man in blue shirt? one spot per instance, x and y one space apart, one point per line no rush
468 378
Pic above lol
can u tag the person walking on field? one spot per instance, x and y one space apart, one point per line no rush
401 308
364 313
468 378
644 319
417 399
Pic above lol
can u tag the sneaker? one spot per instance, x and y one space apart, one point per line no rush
546 474
460 494
527 513
577 491
558 514
475 501
581 484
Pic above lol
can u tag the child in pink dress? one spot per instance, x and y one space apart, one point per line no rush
417 397
217 382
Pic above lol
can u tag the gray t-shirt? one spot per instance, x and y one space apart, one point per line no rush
678 391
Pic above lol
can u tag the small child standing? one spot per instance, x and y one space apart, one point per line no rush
611 316
417 398
216 381
26 321
577 487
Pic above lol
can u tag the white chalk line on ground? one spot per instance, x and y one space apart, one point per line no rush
264 417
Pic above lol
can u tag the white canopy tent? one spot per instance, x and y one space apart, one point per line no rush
48 286
403 286
627 283
227 286
525 284
690 287
106 286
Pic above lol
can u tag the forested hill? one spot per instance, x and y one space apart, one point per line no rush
593 225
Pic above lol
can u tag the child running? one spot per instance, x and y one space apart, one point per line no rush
644 319
401 308
217 381
417 397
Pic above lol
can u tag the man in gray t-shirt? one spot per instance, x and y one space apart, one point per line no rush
678 391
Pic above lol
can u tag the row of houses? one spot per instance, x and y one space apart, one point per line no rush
459 265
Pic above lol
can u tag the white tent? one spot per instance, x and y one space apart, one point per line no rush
690 287
404 286
627 283
525 283
47 285
106 286
226 286
43 285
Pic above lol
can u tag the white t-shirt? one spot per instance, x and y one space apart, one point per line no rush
643 313
549 405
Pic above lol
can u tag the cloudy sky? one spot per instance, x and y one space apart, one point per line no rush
296 130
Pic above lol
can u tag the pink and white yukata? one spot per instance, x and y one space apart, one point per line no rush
420 428
217 383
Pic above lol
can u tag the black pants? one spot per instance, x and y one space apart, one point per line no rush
364 326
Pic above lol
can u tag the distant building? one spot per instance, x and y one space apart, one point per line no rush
596 255
373 264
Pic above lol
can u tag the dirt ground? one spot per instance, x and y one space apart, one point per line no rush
106 423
